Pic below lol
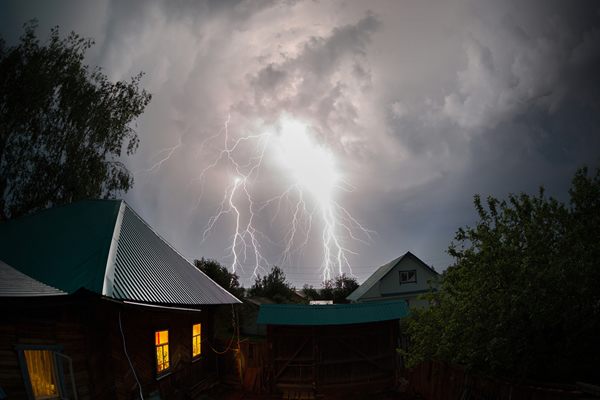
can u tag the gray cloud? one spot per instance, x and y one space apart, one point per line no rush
422 103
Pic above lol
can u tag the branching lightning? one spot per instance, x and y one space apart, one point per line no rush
308 185
305 202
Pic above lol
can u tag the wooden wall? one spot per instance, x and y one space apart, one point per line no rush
334 358
87 327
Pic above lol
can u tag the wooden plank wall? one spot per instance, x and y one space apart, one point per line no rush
54 321
138 326
88 329
436 380
333 359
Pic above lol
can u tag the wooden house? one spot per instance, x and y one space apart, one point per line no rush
405 277
96 305
332 349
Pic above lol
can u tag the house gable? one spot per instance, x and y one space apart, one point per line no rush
404 276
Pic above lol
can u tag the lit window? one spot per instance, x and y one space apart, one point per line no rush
42 371
196 340
40 365
408 276
162 350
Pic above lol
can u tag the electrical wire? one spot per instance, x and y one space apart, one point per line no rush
128 359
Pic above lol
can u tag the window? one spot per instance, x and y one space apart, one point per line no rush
196 340
408 277
162 350
42 371
40 365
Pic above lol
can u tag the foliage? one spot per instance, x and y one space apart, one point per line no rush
221 275
62 125
274 286
336 289
522 297
230 282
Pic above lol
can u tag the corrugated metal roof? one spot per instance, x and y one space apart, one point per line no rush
337 314
16 284
105 247
381 273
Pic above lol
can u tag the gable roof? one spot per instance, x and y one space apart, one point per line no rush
336 314
382 272
104 247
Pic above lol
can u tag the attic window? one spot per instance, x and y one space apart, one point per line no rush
408 277
162 351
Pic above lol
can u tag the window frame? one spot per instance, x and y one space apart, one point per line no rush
58 371
165 371
199 355
406 272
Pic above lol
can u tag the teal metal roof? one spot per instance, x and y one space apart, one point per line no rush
337 314
104 247
382 272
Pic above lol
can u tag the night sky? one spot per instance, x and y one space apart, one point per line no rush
401 111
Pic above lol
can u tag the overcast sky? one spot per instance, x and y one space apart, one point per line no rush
407 108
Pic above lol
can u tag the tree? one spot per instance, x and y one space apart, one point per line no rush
274 286
221 275
62 125
336 289
343 286
522 297
229 281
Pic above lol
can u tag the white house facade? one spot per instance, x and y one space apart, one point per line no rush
405 277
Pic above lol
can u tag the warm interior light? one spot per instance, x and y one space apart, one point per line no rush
162 350
196 340
41 372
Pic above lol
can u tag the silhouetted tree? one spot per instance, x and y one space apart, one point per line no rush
62 125
522 297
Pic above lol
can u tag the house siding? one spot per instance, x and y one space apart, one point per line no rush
88 330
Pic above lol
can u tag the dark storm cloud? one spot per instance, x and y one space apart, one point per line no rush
423 104
313 82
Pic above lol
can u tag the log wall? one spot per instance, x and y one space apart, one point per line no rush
87 327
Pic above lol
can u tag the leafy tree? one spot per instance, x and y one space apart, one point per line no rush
336 289
62 125
522 297
274 286
310 292
221 275
229 281
343 286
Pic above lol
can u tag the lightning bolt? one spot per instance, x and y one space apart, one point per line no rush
307 199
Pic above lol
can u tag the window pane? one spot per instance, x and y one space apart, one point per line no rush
40 366
159 358
196 330
166 356
162 337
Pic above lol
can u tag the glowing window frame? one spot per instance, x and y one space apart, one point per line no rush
58 369
197 338
163 346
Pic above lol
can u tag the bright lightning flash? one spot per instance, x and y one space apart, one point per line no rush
312 168
307 201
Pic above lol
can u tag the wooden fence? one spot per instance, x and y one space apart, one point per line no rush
437 380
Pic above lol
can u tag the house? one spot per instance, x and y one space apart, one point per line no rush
96 305
405 277
332 349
